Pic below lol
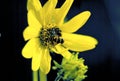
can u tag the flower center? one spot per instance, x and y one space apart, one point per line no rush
50 36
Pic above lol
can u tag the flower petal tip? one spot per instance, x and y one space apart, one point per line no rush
95 43
34 69
25 34
88 13
25 55
45 71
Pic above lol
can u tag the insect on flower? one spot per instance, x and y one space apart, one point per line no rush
47 32
51 36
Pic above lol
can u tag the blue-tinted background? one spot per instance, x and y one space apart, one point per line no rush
104 25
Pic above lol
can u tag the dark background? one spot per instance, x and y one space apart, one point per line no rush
104 25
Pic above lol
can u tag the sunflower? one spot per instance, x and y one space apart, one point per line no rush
47 32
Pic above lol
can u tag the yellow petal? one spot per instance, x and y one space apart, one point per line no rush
48 9
31 48
59 49
79 42
36 7
45 63
36 59
62 12
76 22
32 20
31 32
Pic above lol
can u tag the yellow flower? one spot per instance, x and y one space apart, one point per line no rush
47 32
72 69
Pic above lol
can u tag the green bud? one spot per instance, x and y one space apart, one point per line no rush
72 69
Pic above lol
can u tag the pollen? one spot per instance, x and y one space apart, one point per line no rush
50 36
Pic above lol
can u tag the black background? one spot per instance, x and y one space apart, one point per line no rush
103 61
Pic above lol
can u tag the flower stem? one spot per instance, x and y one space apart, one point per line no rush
58 78
43 76
35 75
